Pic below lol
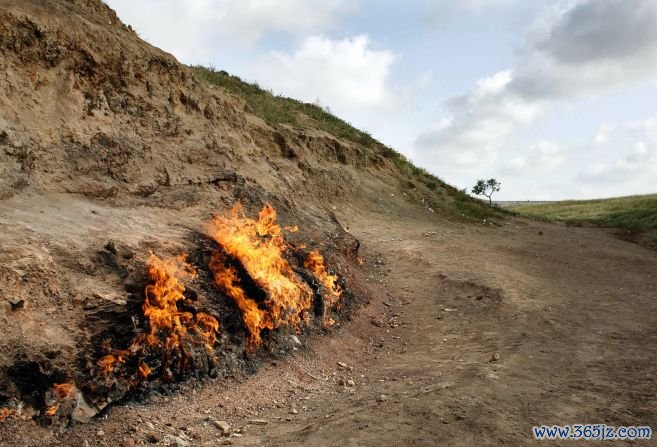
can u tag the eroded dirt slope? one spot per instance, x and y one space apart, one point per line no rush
109 150
106 142
473 335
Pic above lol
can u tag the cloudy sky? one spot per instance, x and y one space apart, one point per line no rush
556 99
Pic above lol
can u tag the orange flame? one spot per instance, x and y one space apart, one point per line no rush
63 391
143 370
259 247
255 319
6 413
315 263
170 330
110 362
52 410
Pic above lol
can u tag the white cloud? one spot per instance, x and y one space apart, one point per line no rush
635 166
480 122
542 156
584 48
479 6
345 74
190 30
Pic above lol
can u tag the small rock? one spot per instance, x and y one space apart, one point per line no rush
295 340
176 440
294 411
494 358
342 365
381 398
150 425
100 433
128 443
227 442
259 422
120 250
16 305
377 323
351 383
152 438
83 412
223 426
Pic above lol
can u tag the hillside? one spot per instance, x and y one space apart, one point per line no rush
188 260
115 160
635 216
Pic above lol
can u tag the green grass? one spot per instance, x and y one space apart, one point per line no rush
276 109
630 213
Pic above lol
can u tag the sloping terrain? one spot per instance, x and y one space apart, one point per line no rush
448 329
475 335
110 150
634 217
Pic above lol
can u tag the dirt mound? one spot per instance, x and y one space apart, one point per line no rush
88 107
109 150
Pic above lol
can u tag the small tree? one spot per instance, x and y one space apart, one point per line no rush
486 188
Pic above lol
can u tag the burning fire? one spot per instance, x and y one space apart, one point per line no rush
61 392
258 246
315 263
6 413
250 268
171 331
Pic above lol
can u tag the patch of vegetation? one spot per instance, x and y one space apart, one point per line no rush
629 213
277 109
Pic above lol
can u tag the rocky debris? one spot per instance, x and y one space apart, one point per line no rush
223 426
153 438
259 422
494 358
83 412
17 305
120 250
295 340
177 441
377 323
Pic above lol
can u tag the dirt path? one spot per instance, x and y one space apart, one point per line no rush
478 334
571 313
